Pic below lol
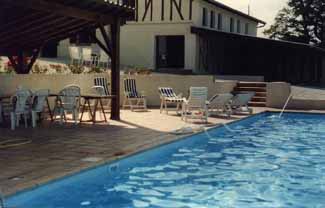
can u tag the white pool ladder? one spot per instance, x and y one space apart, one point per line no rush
285 105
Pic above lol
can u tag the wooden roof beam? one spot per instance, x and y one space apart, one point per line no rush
60 9
29 27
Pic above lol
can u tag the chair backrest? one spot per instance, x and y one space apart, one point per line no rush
74 52
86 54
39 99
20 100
221 99
198 96
103 57
99 90
70 96
102 82
242 99
167 92
130 88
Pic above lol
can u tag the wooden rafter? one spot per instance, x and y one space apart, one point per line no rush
61 10
30 27
105 36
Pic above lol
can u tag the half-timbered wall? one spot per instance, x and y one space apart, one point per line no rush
164 10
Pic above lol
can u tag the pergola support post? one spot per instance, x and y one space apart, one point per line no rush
115 75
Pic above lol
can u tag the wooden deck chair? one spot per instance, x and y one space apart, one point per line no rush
132 98
239 103
220 104
196 105
168 96
102 88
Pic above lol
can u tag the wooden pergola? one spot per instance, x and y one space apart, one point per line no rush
26 26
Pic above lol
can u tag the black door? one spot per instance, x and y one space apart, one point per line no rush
50 50
170 51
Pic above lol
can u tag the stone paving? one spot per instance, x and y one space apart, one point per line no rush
59 150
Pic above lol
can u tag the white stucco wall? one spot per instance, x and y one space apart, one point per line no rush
138 45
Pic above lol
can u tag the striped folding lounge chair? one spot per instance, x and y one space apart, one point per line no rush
132 98
102 88
168 96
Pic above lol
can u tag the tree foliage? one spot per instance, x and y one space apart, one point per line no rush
300 21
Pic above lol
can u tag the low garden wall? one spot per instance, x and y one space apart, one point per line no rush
147 83
277 92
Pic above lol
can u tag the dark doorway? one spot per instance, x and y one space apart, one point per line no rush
170 51
50 50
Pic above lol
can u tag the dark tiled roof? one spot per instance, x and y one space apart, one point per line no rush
225 7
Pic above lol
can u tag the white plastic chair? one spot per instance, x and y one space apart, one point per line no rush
20 107
39 102
196 105
87 59
69 102
220 103
239 103
75 55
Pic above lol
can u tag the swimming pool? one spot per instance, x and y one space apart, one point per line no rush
262 161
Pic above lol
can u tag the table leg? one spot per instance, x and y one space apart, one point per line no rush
102 108
91 113
95 110
49 109
83 106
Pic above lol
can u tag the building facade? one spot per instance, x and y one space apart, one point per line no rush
160 37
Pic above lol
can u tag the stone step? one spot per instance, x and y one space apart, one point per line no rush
257 104
250 89
252 84
259 99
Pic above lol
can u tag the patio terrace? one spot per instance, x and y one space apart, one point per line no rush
60 150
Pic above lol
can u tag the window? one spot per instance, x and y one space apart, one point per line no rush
232 24
212 19
219 21
246 28
204 17
238 26
83 38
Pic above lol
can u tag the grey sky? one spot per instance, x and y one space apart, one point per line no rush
263 9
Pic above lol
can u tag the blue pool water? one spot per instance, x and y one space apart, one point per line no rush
262 162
